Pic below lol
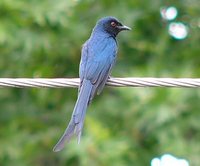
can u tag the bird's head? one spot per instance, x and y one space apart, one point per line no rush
110 25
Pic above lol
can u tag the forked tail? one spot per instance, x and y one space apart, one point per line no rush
75 125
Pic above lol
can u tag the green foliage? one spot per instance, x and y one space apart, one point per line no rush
124 126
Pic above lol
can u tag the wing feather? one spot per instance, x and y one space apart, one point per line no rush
97 61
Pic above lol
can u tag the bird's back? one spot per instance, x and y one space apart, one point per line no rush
97 59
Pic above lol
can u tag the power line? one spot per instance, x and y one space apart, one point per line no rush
116 82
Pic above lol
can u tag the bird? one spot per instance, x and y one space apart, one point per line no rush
98 56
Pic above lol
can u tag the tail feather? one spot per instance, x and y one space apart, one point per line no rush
78 116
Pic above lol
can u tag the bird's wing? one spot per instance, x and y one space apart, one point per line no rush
97 60
83 62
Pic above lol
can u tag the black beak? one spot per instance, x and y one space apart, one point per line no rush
123 27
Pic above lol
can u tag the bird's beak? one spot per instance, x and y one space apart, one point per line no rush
123 27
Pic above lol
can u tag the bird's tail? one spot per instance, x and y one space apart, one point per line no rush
77 120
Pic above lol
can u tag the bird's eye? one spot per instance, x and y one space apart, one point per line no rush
113 24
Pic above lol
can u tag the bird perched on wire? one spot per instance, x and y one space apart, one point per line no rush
98 57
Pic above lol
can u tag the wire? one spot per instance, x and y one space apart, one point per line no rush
116 82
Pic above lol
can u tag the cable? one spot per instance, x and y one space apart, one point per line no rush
116 82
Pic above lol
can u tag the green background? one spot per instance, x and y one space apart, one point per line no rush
124 126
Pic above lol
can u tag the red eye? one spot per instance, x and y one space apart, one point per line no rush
113 24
